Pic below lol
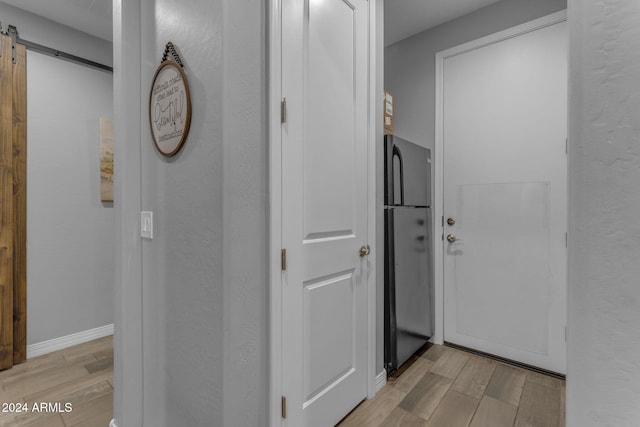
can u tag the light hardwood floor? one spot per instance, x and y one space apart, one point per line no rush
446 387
81 376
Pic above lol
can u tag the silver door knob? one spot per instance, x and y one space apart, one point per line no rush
451 238
451 221
364 250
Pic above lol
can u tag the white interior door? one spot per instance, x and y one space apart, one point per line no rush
505 186
324 209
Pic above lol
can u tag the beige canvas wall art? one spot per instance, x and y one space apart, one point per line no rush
106 159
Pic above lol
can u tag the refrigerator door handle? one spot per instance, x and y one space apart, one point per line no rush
396 152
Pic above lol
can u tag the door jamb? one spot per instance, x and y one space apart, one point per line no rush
438 228
375 141
275 207
275 212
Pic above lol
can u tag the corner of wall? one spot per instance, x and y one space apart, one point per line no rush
604 172
245 209
128 365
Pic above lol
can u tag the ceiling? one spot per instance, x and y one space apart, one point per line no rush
403 18
90 16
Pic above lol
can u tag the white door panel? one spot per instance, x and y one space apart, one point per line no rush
324 329
505 124
329 120
324 208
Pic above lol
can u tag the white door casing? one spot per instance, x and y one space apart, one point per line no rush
504 124
324 295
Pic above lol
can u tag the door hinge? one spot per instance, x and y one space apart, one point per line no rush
283 260
283 111
283 407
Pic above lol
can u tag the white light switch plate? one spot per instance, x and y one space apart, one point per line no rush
146 224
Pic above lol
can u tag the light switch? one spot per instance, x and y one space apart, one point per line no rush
146 224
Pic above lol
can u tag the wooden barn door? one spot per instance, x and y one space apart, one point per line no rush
13 202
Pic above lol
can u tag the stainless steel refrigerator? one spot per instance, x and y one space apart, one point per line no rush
408 282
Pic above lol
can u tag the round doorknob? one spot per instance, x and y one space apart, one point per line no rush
451 221
451 238
364 250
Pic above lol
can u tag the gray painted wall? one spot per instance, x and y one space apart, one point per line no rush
182 267
70 242
603 387
127 94
204 277
409 73
43 31
245 220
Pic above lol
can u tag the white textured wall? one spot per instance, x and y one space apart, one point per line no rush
202 317
70 243
603 387
245 201
182 267
128 125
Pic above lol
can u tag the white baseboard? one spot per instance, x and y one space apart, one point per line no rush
113 423
381 380
44 347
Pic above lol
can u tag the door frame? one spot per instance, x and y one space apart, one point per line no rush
275 204
438 227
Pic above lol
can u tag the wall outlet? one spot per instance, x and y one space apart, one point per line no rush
146 224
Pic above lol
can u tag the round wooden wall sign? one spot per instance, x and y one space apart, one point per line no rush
169 108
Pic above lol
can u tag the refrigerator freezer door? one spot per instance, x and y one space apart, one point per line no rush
409 287
407 173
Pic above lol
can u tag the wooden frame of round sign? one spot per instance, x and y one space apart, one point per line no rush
169 108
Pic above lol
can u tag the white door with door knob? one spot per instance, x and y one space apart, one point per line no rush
505 197
324 209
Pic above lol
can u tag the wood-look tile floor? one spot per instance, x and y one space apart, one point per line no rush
81 376
446 387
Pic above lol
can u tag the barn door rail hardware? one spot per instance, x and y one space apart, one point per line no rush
12 31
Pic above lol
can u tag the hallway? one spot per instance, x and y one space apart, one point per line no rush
446 387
